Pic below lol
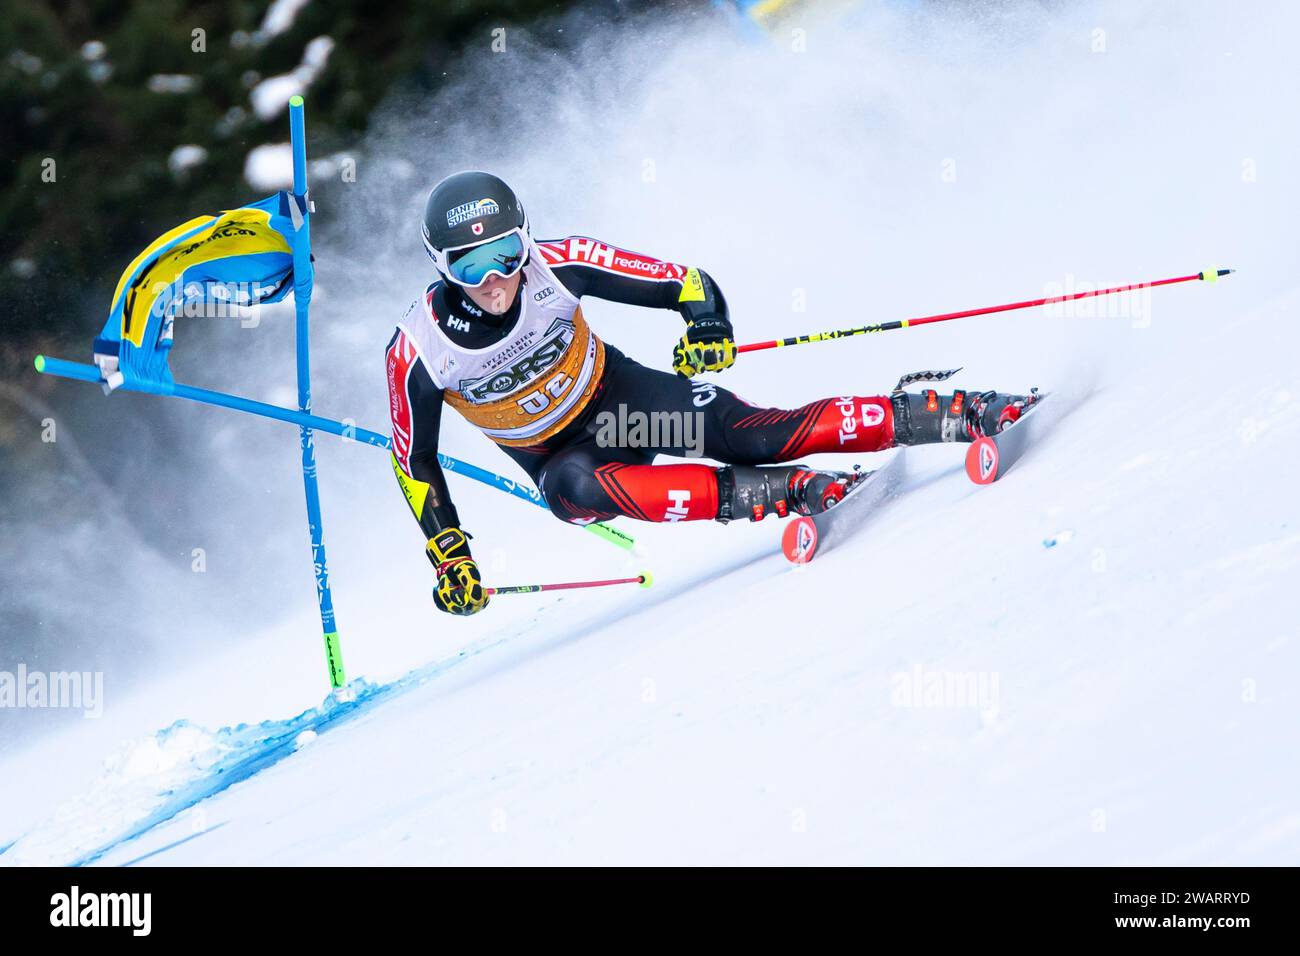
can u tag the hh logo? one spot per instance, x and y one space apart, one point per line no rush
678 508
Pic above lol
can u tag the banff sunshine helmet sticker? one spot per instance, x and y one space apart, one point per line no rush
472 210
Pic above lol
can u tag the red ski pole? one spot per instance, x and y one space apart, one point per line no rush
1209 275
644 579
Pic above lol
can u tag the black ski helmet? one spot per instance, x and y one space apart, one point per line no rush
466 209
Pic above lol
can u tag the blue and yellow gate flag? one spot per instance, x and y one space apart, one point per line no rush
208 266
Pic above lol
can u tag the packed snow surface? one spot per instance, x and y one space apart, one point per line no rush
1092 661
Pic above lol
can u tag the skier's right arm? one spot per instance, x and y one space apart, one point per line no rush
415 405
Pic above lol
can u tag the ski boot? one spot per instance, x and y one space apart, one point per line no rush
755 492
927 417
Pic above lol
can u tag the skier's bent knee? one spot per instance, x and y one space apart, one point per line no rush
572 491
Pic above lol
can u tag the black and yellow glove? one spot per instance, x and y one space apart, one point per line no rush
460 586
707 346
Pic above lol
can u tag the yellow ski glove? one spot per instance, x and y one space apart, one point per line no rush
707 346
460 585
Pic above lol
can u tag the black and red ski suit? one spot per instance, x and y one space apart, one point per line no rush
582 475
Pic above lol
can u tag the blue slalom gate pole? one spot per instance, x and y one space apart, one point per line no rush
302 287
82 372
299 212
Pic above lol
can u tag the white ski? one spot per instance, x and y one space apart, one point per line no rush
806 537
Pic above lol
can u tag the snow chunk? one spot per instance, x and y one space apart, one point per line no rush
172 83
280 16
136 781
155 778
23 267
26 62
230 122
272 95
186 157
316 55
270 167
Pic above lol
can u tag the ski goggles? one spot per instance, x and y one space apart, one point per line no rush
503 256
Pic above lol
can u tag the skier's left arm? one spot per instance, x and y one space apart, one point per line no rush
590 267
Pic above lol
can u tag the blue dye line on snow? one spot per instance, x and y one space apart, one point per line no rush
174 844
254 747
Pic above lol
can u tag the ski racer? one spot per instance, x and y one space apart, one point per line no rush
500 336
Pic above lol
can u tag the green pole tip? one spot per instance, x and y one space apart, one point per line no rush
40 363
647 579
295 100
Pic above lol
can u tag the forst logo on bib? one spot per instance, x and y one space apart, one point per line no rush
530 365
472 210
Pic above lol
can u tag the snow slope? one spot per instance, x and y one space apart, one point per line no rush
1121 608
